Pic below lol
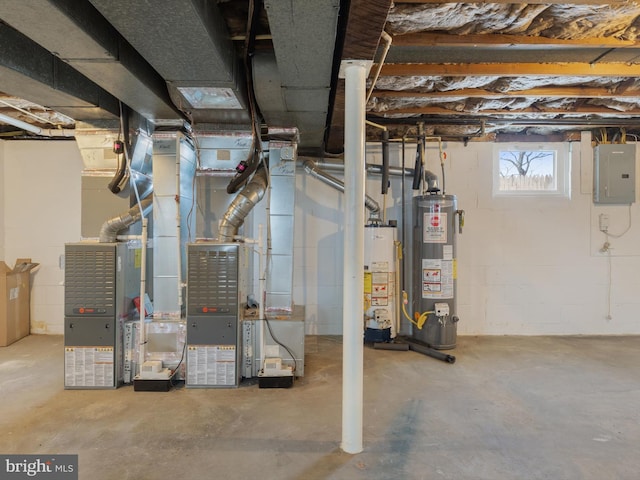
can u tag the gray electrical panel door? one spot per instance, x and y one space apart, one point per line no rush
614 174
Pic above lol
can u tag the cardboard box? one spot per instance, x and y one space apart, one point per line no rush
15 299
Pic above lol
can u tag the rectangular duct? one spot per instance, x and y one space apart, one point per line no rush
174 166
282 161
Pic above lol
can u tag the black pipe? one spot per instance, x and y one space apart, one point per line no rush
400 346
431 352
417 170
114 184
385 162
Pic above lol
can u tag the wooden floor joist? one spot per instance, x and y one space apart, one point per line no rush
511 69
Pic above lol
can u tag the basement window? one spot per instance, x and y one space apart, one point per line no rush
531 169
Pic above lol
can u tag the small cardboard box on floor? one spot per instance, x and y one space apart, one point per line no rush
15 317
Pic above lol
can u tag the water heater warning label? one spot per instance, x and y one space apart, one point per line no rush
435 227
437 278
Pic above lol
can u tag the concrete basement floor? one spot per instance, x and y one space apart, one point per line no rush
509 408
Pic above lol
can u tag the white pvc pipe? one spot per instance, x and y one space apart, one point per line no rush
354 219
263 288
178 223
387 45
37 130
143 289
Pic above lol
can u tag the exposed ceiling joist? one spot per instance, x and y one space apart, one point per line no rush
427 39
365 23
512 69
582 110
541 92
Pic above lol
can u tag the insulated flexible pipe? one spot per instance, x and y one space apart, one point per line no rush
110 228
241 205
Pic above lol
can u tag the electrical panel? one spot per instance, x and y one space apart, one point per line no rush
614 174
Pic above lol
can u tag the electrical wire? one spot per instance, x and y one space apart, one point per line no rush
275 339
620 235
422 318
609 317
196 145
175 370
608 251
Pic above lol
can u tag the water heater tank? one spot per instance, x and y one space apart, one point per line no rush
380 283
434 269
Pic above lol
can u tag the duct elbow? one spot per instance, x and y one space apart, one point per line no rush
110 229
240 207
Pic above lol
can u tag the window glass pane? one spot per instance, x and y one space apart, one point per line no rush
528 170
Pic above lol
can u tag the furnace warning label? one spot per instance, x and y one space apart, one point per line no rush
437 278
211 365
435 227
89 367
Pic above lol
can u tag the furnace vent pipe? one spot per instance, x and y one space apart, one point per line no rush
110 228
312 169
241 205
369 168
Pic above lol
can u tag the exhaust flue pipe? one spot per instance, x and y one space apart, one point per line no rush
312 169
110 228
241 205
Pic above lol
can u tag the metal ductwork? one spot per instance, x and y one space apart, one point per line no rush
242 205
312 169
32 72
205 77
110 228
293 85
82 38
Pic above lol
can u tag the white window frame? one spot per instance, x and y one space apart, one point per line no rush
562 169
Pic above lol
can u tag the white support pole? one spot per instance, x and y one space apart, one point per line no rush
352 317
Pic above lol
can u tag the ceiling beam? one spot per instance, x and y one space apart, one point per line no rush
582 110
511 69
541 92
365 20
500 40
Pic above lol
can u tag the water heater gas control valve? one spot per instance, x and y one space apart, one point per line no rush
441 309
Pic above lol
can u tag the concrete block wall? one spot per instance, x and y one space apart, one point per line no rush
42 190
2 189
526 266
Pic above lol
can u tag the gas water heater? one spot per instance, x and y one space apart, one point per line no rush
435 269
380 283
